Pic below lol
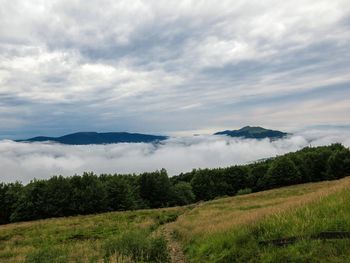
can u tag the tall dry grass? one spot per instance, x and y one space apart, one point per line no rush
227 213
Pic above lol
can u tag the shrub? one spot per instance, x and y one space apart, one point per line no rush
244 191
166 218
47 255
282 172
139 246
183 193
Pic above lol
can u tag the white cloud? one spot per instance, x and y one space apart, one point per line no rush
25 161
138 58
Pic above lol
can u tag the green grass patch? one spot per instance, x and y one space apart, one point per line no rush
332 213
88 238
47 255
138 245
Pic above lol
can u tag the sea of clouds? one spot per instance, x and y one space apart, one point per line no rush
26 161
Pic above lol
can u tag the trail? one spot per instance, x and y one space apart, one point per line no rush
174 247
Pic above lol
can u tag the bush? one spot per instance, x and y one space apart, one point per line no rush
338 165
282 172
47 255
139 246
166 218
183 193
244 191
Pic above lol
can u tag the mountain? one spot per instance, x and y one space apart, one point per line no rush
250 132
84 138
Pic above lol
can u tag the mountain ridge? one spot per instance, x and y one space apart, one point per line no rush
85 138
253 132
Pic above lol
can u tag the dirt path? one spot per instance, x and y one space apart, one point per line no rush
175 249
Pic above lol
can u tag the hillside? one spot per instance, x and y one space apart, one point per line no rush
222 230
84 138
250 132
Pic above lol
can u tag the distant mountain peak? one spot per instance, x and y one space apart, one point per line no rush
85 138
253 132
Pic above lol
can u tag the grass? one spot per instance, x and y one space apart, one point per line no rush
223 230
108 237
331 213
230 229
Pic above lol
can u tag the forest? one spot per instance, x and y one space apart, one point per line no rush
90 193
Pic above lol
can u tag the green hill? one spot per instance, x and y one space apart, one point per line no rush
86 138
221 230
250 132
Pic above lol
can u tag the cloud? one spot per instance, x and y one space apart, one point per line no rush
25 161
157 66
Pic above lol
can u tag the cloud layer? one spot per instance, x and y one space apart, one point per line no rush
155 66
25 161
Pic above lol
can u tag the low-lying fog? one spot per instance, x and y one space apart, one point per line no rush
25 161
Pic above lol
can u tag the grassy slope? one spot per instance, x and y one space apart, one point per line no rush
228 230
223 230
85 238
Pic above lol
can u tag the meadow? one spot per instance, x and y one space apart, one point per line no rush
231 229
108 237
222 230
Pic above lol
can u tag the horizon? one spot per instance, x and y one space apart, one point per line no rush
136 132
182 134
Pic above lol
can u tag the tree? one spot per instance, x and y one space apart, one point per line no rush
31 202
237 178
203 185
256 174
338 165
155 188
119 194
282 172
58 196
9 194
183 193
88 194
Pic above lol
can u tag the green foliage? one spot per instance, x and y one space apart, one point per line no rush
237 178
84 238
155 188
9 195
282 172
119 194
165 218
244 191
47 255
58 194
256 174
338 164
139 246
89 195
203 185
183 194
31 203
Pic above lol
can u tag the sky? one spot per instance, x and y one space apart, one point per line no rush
172 67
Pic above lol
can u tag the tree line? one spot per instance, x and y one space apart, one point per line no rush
90 193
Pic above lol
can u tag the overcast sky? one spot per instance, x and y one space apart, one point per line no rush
172 67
